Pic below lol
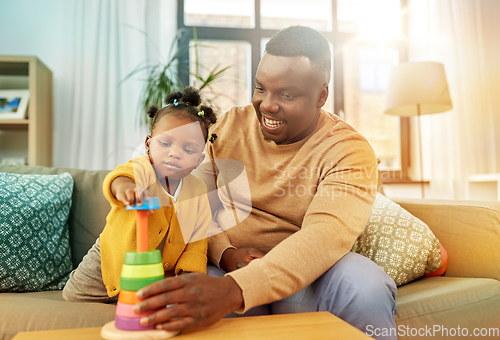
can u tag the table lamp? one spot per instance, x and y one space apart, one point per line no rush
416 89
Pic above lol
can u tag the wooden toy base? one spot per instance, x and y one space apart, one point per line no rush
110 332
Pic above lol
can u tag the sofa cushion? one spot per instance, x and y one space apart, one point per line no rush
449 302
402 245
469 230
87 216
34 239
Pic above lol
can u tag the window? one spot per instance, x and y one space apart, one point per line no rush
278 14
219 13
366 76
369 17
234 88
366 42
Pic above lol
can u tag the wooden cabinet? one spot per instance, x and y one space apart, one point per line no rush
29 138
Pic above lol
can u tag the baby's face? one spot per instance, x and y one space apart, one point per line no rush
176 146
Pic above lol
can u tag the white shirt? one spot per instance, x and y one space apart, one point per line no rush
176 193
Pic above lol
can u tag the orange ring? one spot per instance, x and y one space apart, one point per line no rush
128 297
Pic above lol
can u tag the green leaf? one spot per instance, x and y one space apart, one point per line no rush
163 77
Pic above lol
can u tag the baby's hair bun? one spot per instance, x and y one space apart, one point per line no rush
186 104
191 96
209 116
152 111
169 99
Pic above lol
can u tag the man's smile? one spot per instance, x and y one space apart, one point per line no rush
270 123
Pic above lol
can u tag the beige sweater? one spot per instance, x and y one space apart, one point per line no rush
308 201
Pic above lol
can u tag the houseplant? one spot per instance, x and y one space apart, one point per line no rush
163 77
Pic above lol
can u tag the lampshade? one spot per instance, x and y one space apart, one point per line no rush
422 83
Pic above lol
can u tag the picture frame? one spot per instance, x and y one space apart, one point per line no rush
13 104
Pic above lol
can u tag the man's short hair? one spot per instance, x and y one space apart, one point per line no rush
295 41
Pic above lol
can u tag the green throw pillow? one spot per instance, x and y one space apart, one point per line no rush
402 245
34 237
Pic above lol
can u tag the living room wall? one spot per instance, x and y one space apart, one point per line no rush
90 46
95 125
37 28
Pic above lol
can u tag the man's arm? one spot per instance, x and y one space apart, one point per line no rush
334 219
236 258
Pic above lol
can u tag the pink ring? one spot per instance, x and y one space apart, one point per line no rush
130 324
125 310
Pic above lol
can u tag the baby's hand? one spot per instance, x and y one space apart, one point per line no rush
127 192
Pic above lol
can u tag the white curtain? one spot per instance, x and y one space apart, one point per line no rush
107 39
465 37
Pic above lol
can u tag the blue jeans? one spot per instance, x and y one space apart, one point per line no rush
355 289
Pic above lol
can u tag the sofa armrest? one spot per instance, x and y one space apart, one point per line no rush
468 230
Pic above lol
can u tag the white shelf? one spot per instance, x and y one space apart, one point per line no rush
29 138
484 187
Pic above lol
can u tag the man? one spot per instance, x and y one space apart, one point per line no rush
312 180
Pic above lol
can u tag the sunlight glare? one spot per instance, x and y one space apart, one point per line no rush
373 20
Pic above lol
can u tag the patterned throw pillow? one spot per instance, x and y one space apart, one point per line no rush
34 237
402 245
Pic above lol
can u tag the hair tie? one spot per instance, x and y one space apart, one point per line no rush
175 102
201 113
212 137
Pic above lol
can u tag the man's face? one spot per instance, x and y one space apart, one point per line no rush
289 94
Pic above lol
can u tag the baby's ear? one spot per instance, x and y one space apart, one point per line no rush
147 142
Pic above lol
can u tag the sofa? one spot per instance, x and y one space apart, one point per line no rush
465 299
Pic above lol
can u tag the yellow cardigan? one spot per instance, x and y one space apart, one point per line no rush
185 229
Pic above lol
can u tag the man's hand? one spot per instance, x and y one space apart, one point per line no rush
233 259
200 300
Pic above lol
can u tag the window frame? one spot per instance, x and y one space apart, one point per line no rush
338 39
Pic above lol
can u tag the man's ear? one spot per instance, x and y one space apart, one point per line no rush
323 96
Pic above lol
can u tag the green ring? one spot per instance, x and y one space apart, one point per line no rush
136 284
147 257
142 270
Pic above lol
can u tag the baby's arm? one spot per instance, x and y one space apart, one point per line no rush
126 191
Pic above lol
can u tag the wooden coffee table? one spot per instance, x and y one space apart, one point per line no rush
319 325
